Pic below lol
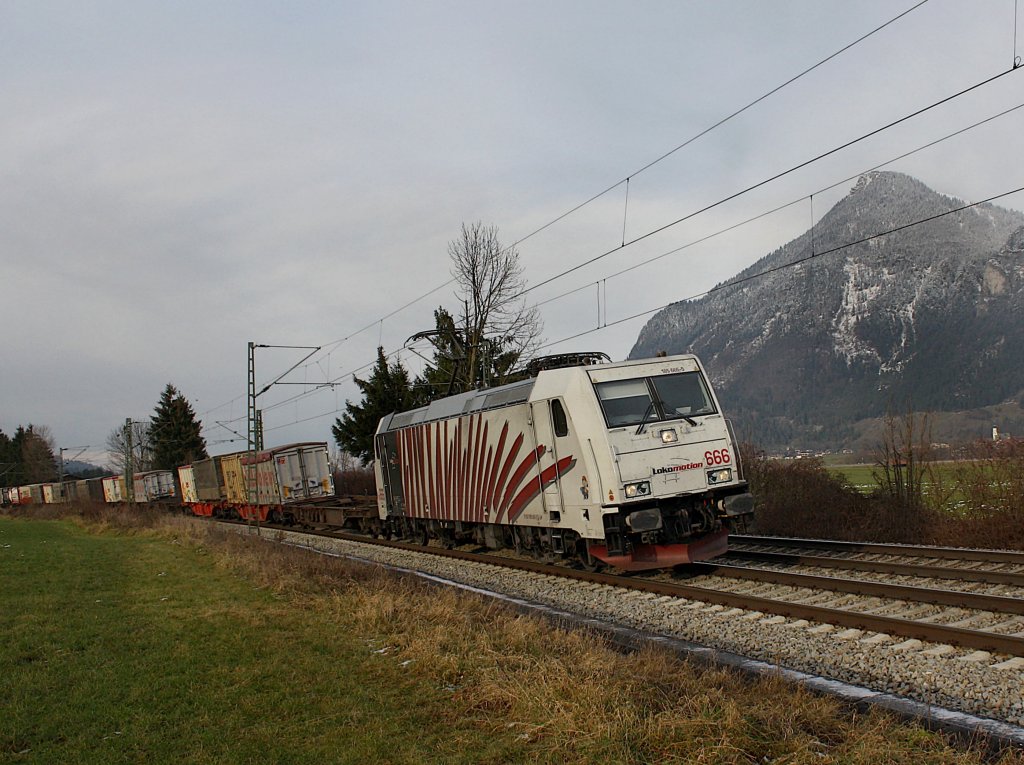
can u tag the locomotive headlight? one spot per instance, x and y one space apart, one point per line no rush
668 436
722 475
639 489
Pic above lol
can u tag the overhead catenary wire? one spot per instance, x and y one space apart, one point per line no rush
717 124
334 344
1016 58
779 208
783 266
348 373
771 179
741 280
704 209
717 233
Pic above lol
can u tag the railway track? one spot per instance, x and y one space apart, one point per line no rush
964 564
902 648
978 621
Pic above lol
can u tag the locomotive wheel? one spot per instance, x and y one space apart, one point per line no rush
587 561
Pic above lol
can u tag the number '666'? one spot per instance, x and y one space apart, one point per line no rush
717 457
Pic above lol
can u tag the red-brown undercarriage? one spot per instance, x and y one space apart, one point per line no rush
645 557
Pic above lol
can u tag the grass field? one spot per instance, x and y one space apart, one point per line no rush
172 645
858 476
862 476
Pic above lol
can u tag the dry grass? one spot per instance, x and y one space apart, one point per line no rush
564 696
539 694
567 695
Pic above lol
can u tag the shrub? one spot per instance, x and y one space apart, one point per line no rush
987 506
801 498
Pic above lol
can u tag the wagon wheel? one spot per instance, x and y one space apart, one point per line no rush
424 536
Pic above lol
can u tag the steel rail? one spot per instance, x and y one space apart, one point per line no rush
948 553
935 633
883 567
977 601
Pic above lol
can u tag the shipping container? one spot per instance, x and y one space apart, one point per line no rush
259 472
187 479
138 485
12 495
304 472
89 490
159 485
234 480
209 477
114 489
291 473
31 494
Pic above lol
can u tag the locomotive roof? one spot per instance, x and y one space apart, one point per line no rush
463 403
505 395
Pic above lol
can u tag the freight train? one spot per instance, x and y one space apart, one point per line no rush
629 464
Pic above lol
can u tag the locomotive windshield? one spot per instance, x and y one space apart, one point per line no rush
650 399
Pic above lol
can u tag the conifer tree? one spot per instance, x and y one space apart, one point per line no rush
37 457
31 452
175 433
386 390
8 461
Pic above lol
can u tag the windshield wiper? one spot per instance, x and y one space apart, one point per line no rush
643 420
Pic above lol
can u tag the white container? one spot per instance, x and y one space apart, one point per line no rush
303 472
187 478
113 489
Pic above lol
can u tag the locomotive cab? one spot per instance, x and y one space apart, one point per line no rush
675 479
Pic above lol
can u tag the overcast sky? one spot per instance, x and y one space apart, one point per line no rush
181 178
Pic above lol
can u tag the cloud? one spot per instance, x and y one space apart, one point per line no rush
182 179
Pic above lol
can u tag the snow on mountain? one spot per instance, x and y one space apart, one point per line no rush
928 316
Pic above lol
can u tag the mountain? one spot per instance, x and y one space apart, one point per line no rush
929 318
75 468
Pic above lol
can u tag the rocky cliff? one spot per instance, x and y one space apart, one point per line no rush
929 316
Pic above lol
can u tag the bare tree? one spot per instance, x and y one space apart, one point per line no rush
903 458
497 326
141 447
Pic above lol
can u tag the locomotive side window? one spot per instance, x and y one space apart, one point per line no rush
626 402
559 419
683 395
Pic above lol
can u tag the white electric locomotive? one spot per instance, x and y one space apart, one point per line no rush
630 464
